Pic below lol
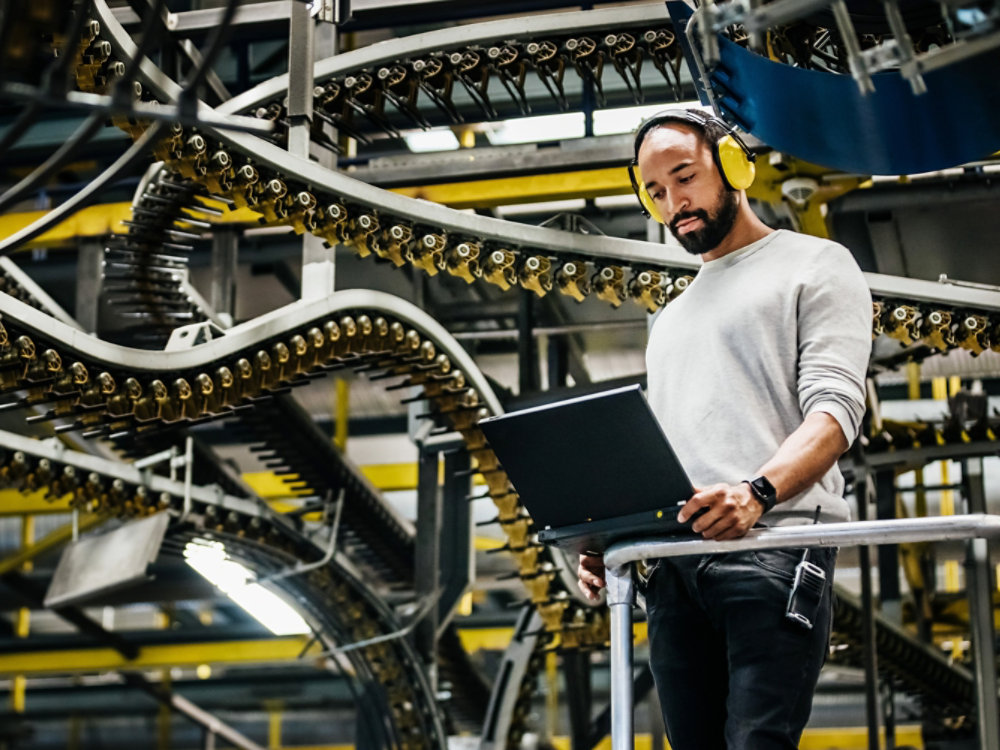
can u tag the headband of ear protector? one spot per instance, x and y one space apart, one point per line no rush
733 159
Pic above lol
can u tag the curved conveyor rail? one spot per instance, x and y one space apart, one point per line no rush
336 602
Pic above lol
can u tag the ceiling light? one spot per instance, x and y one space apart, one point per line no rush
435 139
235 581
536 129
627 119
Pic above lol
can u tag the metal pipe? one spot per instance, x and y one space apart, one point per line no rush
299 568
855 60
846 534
621 598
980 586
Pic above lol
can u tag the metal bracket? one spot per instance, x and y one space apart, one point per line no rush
299 568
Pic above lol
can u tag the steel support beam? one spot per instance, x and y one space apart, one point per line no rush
890 598
456 558
89 278
427 557
980 590
576 668
225 260
529 377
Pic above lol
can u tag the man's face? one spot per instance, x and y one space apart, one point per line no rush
680 175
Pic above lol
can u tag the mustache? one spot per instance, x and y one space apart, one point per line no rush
696 214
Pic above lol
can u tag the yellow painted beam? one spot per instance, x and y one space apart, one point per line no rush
342 410
269 486
93 221
589 183
385 477
15 503
811 216
497 639
155 657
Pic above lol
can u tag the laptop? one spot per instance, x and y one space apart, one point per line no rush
592 470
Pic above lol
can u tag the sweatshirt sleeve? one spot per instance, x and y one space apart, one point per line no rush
834 346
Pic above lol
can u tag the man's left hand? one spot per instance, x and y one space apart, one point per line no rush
731 510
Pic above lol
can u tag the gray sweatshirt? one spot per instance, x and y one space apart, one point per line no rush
762 338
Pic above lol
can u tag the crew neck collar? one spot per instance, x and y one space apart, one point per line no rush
736 256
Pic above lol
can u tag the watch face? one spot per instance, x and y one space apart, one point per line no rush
764 487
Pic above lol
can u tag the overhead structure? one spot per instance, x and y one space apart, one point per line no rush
212 160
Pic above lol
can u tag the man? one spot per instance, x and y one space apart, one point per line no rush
757 374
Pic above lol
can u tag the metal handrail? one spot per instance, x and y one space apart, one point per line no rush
621 588
893 531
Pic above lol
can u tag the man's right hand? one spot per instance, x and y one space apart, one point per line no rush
591 574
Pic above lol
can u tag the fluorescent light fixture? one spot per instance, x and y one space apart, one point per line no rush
627 119
235 581
536 129
435 139
571 124
549 207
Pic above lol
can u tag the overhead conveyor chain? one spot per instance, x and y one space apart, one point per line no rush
408 76
146 269
104 389
945 689
284 436
287 190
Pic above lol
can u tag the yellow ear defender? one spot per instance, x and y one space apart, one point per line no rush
734 160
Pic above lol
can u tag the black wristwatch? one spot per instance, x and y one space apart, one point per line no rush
764 491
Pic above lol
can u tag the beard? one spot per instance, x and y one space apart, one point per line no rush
715 226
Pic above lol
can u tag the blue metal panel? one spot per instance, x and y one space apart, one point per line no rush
823 118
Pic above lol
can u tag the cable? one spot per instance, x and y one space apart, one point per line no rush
213 46
85 196
58 69
87 130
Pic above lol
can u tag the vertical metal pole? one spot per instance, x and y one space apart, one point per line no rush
576 667
22 621
890 597
89 275
865 491
427 556
621 598
457 558
558 358
980 588
317 260
527 354
225 249
300 78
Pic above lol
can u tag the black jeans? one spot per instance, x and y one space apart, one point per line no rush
732 672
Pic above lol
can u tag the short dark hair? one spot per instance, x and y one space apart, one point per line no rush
708 127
